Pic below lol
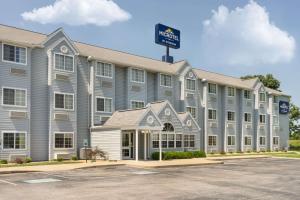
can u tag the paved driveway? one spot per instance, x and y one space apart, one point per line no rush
267 178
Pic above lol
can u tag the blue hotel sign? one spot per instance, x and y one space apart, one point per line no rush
284 107
167 36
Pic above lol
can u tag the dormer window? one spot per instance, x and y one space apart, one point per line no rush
64 62
14 54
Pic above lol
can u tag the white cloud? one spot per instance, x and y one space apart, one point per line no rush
245 36
78 12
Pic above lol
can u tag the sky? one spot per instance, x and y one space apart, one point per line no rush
232 37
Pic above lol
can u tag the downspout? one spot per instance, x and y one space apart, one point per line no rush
91 94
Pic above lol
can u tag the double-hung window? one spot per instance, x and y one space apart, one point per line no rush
262 97
171 140
104 104
155 140
14 54
64 101
212 88
230 116
190 84
64 140
164 140
231 92
189 141
212 140
14 140
262 119
247 117
247 94
138 75
14 97
276 140
191 110
137 104
248 140
165 80
64 62
212 114
104 70
275 119
178 140
230 140
262 140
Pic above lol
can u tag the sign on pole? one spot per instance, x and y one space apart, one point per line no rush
167 36
284 107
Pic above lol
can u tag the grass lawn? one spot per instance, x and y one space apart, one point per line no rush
294 145
38 163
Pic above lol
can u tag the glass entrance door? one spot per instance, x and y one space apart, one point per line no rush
127 145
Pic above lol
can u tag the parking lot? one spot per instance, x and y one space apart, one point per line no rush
267 178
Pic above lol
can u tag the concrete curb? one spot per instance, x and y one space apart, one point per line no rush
175 165
18 172
239 158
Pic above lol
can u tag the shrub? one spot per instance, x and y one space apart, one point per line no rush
179 155
3 162
74 158
19 161
28 160
59 159
222 152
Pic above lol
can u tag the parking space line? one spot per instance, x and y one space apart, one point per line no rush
7 182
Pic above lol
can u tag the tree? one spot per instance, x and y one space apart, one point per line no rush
268 80
294 116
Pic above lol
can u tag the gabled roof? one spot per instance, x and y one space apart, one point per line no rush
183 115
275 92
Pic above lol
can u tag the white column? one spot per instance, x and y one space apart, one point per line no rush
270 108
136 145
145 145
160 153
205 123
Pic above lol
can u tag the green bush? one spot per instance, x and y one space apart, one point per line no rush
28 160
74 158
179 155
59 159
3 162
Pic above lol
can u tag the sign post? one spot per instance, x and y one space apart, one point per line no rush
168 37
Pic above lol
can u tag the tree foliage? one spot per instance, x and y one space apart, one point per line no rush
294 116
268 80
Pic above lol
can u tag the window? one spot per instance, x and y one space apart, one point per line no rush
104 70
186 140
262 140
164 140
212 88
192 141
212 140
155 140
262 119
276 140
104 104
171 140
168 127
212 114
137 75
230 116
191 110
231 92
231 140
137 104
247 94
178 140
275 99
14 54
14 97
64 62
190 84
262 97
165 80
248 141
247 117
275 119
189 141
14 140
63 140
64 101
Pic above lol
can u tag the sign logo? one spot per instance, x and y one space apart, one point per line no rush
284 107
167 36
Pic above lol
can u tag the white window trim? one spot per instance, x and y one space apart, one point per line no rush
277 145
196 115
265 141
210 92
62 70
112 103
227 116
276 103
234 91
216 141
14 88
112 70
61 132
250 136
13 131
138 101
208 114
137 81
259 97
195 85
230 145
265 119
165 85
64 109
248 121
7 61
245 97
